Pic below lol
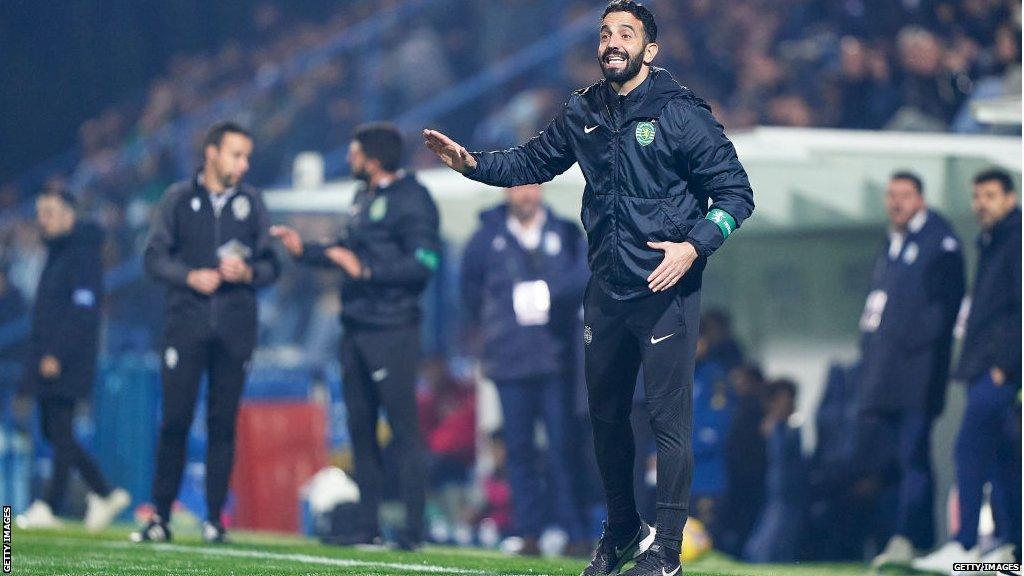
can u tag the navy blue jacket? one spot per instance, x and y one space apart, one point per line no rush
66 314
906 341
493 263
993 326
652 161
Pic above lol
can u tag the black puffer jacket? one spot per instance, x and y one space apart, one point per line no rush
394 232
652 161
66 314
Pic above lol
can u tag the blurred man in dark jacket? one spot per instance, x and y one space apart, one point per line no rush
906 336
61 363
988 447
388 251
209 243
523 275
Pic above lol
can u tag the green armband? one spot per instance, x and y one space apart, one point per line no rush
723 220
428 258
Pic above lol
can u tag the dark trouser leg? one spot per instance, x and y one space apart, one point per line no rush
520 408
227 380
646 499
362 405
58 416
976 449
915 515
183 367
669 351
1006 484
556 423
612 360
393 371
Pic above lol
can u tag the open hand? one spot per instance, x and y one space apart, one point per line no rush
679 256
449 151
289 238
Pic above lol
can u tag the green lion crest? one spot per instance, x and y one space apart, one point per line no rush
645 133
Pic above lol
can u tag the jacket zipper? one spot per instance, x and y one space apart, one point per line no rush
615 188
216 245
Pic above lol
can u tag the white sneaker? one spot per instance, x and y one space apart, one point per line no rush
100 511
38 515
898 552
941 561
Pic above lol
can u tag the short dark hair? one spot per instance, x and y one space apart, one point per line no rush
996 175
911 177
381 141
642 13
215 135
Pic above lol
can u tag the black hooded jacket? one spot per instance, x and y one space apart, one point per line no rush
653 160
66 314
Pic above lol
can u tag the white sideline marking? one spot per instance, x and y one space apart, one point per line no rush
301 558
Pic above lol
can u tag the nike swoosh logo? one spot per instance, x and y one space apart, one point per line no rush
589 129
656 340
663 573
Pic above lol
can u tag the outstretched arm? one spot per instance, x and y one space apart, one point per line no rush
542 158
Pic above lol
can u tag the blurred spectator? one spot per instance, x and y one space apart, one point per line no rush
523 275
722 347
932 83
12 308
777 536
745 460
497 496
713 406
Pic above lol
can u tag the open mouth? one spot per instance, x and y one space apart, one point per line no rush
615 59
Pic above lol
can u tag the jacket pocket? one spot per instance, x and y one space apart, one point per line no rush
676 228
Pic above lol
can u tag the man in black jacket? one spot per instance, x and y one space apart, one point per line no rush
209 242
62 356
388 251
653 158
906 337
988 445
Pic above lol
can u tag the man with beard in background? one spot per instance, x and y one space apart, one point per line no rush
387 253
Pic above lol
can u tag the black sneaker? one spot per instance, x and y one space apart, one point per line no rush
656 561
155 531
609 559
214 533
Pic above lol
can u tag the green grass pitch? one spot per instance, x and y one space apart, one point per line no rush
74 552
